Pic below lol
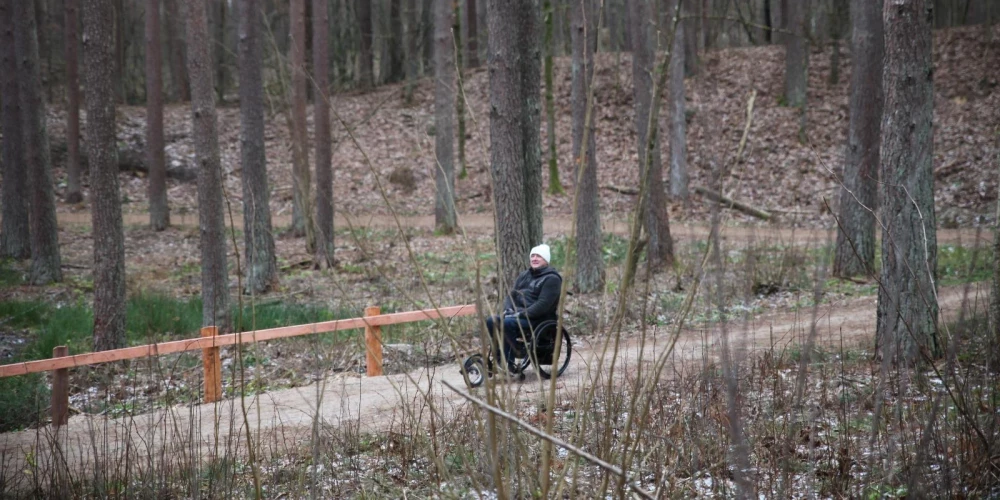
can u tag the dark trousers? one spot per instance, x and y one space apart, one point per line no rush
513 329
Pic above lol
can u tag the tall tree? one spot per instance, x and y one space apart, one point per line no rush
301 182
395 43
321 122
676 110
74 192
838 26
211 225
412 46
855 251
444 119
159 212
258 239
180 85
221 49
506 140
472 40
106 212
797 55
458 98
15 235
655 218
589 261
45 261
530 68
555 186
907 304
366 75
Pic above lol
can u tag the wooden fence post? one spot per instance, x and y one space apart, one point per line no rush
213 367
60 389
373 343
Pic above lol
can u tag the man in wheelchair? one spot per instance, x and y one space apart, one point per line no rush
533 299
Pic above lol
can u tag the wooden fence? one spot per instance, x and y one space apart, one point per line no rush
210 343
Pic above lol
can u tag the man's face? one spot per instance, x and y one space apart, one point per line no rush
537 262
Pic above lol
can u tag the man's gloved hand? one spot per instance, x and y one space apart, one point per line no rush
511 314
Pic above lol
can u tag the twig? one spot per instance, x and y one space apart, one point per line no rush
730 203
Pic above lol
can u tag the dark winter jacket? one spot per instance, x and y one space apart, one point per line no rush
536 294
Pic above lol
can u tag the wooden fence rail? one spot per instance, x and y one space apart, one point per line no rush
209 343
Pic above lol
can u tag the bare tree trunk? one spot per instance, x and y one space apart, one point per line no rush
321 123
427 35
444 123
221 50
395 43
74 192
120 71
660 246
175 50
458 98
506 140
302 224
15 235
797 55
855 251
472 41
530 68
838 27
589 260
261 265
907 305
45 261
555 186
109 237
159 212
412 49
365 68
214 275
676 110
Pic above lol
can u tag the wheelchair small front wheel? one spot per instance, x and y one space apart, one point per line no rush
474 370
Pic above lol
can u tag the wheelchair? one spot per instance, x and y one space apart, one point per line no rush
538 351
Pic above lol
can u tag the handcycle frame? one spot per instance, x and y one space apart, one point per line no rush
537 350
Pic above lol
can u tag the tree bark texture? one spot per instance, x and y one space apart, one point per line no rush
258 238
159 212
530 67
301 182
396 70
907 305
555 186
214 275
676 109
366 77
175 50
15 234
74 190
444 119
660 247
855 250
589 262
109 237
506 140
45 261
220 49
321 123
412 46
472 39
797 55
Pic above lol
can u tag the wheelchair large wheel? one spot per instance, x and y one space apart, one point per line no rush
547 363
474 370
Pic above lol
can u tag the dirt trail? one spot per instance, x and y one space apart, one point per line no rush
477 223
283 419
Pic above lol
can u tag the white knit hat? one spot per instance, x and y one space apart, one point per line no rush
541 251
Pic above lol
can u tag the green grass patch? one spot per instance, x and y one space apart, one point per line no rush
24 399
9 275
614 249
960 264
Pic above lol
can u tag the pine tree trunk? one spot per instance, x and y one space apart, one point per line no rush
412 49
321 123
74 191
530 67
119 62
427 35
180 85
109 237
366 77
15 235
45 261
159 212
838 25
301 182
395 43
221 50
907 305
797 55
258 239
472 39
589 261
459 98
676 110
555 186
506 140
214 275
855 251
444 123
